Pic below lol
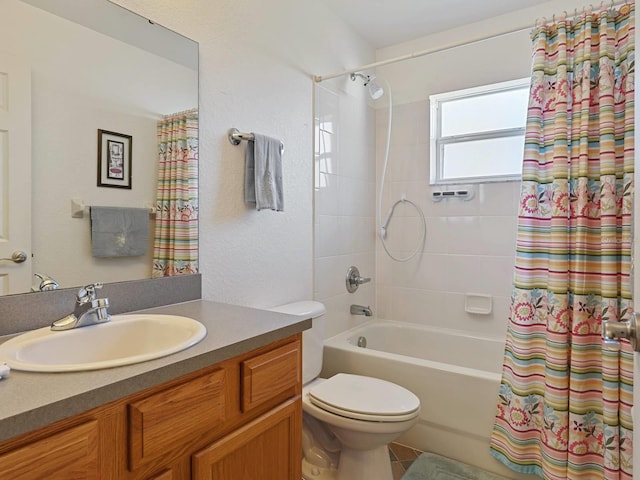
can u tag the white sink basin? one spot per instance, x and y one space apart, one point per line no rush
126 339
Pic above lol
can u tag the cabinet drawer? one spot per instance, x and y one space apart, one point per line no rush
275 374
69 455
166 420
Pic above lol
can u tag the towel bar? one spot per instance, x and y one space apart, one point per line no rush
236 136
78 208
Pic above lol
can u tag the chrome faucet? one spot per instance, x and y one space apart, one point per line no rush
46 283
89 310
360 310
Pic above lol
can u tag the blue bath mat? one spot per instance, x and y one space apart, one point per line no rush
429 466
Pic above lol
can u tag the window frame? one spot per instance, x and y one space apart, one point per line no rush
438 142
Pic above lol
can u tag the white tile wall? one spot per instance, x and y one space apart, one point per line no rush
344 204
470 245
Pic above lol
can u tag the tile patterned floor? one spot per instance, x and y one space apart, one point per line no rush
401 458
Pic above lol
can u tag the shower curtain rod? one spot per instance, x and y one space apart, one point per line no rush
421 53
409 56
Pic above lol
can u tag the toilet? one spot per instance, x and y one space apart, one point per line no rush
348 420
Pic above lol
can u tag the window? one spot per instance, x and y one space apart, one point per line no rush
477 135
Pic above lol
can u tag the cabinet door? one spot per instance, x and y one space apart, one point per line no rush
164 422
69 455
268 448
165 475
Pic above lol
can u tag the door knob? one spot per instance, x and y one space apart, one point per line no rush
16 257
614 331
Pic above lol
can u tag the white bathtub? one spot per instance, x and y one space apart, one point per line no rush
455 375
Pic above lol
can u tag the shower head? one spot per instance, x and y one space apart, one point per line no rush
375 90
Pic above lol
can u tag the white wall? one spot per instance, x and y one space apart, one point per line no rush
256 62
83 81
470 245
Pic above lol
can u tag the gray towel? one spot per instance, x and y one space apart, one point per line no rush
119 232
263 173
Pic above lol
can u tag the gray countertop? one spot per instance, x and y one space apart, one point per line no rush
32 400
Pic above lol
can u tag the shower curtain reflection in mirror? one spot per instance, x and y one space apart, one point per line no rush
175 250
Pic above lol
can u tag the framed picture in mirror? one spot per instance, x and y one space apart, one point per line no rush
114 159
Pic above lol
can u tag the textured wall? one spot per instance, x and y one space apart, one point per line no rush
256 62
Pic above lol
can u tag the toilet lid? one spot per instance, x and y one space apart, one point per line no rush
365 398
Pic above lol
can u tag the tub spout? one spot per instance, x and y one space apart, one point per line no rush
360 310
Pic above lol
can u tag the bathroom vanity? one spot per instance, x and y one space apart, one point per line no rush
228 407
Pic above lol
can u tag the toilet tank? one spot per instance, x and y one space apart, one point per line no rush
312 339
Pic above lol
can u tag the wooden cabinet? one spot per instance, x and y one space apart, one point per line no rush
273 375
165 475
268 448
71 454
164 421
240 419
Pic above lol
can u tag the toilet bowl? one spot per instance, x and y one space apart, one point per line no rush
348 419
365 414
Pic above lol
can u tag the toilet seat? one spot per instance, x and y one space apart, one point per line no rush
365 398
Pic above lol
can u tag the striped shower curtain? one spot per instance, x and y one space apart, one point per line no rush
175 248
565 397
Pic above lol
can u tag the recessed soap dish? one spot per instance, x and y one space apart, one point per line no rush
478 304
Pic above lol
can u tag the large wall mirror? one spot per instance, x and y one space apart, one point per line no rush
91 65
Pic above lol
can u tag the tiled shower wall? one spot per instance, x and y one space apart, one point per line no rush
469 246
344 200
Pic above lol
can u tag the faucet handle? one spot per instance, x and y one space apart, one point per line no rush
354 279
88 292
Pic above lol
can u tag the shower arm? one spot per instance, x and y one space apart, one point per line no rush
366 78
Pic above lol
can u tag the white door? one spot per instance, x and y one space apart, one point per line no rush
15 174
